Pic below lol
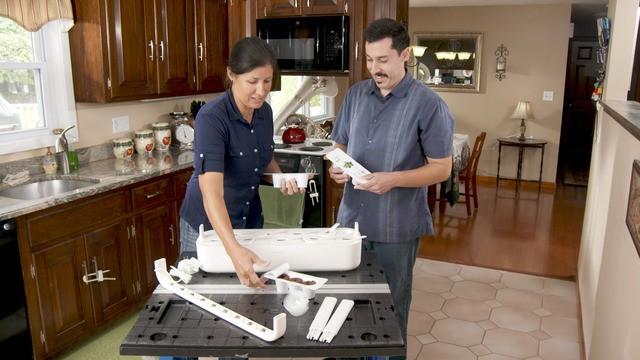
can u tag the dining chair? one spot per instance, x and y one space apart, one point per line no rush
468 174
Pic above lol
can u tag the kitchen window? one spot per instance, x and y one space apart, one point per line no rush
36 91
319 107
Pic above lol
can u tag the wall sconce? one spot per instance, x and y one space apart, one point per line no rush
501 62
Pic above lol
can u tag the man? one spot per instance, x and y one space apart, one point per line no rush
402 132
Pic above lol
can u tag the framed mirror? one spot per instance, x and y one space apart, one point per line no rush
447 61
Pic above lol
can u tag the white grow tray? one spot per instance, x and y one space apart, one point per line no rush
308 249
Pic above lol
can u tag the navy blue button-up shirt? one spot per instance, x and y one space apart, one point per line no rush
227 143
393 133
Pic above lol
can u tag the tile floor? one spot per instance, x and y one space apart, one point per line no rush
459 312
463 312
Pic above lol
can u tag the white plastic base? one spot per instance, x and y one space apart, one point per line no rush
313 249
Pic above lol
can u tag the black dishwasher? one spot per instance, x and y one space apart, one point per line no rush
14 326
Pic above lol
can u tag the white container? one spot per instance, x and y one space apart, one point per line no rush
162 135
144 141
301 178
309 249
123 148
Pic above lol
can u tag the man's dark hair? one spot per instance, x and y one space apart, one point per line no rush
250 53
388 28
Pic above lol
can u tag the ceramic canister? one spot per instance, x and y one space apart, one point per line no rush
162 135
144 141
123 148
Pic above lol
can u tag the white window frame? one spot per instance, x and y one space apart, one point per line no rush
52 58
329 106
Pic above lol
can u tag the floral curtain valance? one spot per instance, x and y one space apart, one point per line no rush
33 14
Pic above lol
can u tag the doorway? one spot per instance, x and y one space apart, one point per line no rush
579 111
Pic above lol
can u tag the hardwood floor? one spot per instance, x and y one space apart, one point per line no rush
534 233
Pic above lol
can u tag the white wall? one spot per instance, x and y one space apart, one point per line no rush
608 264
537 37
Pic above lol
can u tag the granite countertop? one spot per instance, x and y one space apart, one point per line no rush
108 174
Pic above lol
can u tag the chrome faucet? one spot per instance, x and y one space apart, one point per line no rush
62 149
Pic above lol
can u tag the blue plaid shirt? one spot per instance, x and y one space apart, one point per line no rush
394 133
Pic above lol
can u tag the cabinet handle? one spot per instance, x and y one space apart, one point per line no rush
295 3
346 6
357 51
151 47
308 5
152 195
95 264
161 50
265 11
133 285
171 239
201 51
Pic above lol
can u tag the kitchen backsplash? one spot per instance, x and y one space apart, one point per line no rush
34 164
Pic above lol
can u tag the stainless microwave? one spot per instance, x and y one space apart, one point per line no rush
308 44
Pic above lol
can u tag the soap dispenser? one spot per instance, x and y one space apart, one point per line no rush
49 164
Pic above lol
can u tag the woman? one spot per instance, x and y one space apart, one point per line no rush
233 149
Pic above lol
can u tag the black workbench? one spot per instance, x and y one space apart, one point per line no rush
170 325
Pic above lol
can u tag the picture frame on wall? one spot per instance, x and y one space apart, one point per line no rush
633 206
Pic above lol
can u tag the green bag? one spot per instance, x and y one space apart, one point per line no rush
281 211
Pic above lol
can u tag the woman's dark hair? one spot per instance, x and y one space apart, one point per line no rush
388 28
250 53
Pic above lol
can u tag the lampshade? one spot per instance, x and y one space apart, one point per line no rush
523 111
418 51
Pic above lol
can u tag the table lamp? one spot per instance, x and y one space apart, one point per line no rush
522 112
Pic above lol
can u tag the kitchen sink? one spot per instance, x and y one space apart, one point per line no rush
46 187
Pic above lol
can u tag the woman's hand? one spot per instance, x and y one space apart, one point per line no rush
338 176
243 260
290 187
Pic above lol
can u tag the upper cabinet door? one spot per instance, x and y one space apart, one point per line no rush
275 8
320 7
211 45
174 28
131 40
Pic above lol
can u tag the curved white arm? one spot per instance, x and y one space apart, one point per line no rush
246 324
312 85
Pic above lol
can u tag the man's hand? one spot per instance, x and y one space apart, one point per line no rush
377 183
338 176
243 260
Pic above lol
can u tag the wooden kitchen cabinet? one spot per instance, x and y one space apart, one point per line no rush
122 231
333 197
237 21
361 13
108 250
63 300
70 304
211 45
127 50
286 8
156 237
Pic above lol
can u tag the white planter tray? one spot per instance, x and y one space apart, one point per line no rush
308 249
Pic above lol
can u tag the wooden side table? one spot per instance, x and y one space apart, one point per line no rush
521 145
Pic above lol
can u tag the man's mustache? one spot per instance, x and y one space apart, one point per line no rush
381 74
